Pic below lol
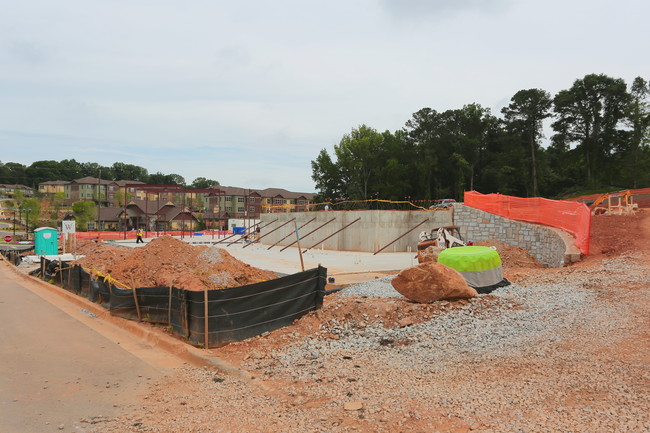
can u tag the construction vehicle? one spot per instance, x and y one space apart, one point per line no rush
624 204
440 238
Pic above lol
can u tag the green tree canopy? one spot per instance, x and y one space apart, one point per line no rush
589 115
525 114
84 212
203 183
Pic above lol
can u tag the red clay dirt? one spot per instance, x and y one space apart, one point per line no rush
167 261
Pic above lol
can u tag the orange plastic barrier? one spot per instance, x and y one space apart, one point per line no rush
116 236
570 216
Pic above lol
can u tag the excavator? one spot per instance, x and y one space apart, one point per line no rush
624 206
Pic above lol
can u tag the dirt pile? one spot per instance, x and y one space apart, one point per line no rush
512 257
168 261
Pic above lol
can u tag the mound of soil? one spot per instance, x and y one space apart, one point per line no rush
512 257
168 261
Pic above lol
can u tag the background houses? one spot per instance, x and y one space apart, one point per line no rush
173 207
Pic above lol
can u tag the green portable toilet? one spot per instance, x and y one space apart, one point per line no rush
46 242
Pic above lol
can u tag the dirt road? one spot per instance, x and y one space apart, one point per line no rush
59 374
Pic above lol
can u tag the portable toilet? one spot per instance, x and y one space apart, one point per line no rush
46 242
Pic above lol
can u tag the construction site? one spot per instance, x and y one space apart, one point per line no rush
498 314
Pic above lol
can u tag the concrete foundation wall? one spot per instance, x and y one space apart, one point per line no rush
374 230
543 243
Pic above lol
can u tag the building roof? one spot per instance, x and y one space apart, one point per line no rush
14 186
110 213
279 192
235 190
128 182
55 182
91 180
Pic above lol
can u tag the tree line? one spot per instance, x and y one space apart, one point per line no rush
601 139
69 169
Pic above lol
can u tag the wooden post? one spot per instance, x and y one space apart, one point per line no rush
205 312
135 298
302 264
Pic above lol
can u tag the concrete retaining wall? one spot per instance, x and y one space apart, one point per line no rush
374 230
544 243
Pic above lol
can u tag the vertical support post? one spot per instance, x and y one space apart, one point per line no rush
125 215
135 298
302 263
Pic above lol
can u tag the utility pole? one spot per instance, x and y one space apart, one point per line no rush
99 179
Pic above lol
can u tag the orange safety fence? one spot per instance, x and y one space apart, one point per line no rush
131 234
570 216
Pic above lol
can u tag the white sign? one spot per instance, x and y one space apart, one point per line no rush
68 226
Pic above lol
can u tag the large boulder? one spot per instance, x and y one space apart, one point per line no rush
431 281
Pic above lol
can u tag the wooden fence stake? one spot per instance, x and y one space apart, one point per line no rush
135 298
302 264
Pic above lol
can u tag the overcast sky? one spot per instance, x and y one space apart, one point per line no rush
249 92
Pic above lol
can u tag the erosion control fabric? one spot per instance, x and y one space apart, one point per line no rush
480 266
234 314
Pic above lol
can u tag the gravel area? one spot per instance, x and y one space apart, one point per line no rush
559 351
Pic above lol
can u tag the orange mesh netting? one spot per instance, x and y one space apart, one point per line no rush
570 216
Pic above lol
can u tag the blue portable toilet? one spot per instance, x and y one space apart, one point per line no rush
46 242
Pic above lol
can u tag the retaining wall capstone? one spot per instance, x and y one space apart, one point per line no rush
543 243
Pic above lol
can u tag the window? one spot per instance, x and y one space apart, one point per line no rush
278 201
251 199
251 208
228 208
240 199
228 198
302 202
240 209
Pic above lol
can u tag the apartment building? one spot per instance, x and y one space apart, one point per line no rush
53 186
276 200
8 191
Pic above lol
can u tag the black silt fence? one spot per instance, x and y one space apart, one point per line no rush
242 312
233 314
165 305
